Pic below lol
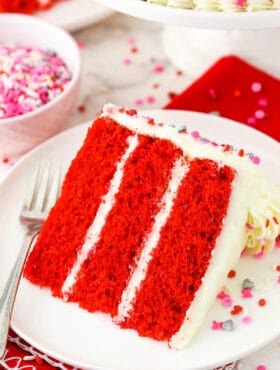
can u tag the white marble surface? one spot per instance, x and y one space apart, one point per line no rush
109 77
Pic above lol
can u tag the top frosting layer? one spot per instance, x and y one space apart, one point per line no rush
263 220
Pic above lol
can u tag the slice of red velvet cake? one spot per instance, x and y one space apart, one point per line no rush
149 223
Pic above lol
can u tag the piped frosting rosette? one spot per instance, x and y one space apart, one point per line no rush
185 4
259 5
263 224
233 5
207 5
159 2
276 4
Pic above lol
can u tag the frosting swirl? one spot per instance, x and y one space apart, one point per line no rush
185 4
207 5
259 5
263 223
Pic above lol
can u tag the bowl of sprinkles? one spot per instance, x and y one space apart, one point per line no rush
39 81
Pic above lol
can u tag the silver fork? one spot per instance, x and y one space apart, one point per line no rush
41 196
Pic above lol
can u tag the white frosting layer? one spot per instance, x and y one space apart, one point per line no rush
94 231
251 193
178 172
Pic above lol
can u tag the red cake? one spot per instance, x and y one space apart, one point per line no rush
149 223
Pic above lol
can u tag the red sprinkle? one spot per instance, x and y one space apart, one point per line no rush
5 160
275 220
134 50
278 268
179 73
262 302
227 148
131 112
39 360
232 274
236 310
241 152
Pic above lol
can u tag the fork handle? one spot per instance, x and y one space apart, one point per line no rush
8 295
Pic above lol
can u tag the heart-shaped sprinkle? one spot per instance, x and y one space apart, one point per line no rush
228 325
236 310
247 283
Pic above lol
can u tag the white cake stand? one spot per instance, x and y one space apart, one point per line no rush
194 40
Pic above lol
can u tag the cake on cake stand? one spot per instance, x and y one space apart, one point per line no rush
194 39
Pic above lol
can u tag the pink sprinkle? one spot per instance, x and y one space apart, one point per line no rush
244 252
131 40
255 160
247 293
108 109
151 99
222 295
261 367
256 87
217 325
240 3
126 61
278 279
263 102
251 121
259 114
214 143
249 227
159 68
212 92
246 320
227 301
259 256
139 101
195 134
277 243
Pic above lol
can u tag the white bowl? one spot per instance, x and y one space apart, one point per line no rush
21 133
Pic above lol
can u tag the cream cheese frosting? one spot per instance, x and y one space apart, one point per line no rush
257 228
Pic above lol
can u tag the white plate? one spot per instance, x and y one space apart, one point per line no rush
75 14
194 18
86 340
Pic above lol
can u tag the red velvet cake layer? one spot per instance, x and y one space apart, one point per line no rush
64 231
183 253
106 271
